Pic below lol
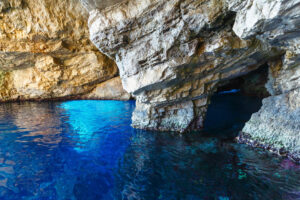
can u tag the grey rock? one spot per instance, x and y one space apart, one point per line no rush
276 22
99 4
276 126
172 54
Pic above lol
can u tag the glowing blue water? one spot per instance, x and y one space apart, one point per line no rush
87 150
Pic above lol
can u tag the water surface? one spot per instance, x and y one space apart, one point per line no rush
87 150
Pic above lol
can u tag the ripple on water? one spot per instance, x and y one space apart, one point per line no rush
87 150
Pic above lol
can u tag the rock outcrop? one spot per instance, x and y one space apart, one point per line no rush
174 54
45 51
110 90
171 55
277 125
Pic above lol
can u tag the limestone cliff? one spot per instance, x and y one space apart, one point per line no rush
277 125
45 51
173 54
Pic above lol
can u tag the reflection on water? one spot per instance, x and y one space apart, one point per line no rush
87 150
40 121
88 119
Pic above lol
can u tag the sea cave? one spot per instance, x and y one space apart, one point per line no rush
150 99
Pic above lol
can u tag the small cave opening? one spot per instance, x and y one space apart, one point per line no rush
234 102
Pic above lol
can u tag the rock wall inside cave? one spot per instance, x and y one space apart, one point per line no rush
173 55
45 52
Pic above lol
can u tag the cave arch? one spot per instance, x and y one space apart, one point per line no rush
234 102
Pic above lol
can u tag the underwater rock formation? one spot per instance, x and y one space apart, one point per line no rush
45 51
174 54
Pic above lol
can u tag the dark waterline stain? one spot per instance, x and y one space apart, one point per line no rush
87 150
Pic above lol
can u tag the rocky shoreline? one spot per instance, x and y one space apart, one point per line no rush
174 55
170 55
244 138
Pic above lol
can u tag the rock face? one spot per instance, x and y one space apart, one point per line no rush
99 4
174 54
111 90
45 51
277 125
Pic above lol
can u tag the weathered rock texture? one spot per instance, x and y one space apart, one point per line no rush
45 51
277 125
99 4
173 54
111 90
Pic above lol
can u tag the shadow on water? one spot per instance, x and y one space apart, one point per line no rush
228 113
87 150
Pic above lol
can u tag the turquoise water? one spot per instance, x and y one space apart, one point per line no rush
87 150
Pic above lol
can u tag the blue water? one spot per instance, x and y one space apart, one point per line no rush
87 150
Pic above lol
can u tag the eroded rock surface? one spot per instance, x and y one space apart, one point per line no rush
45 51
172 55
109 90
276 126
99 4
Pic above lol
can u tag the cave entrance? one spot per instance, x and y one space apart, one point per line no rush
234 103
